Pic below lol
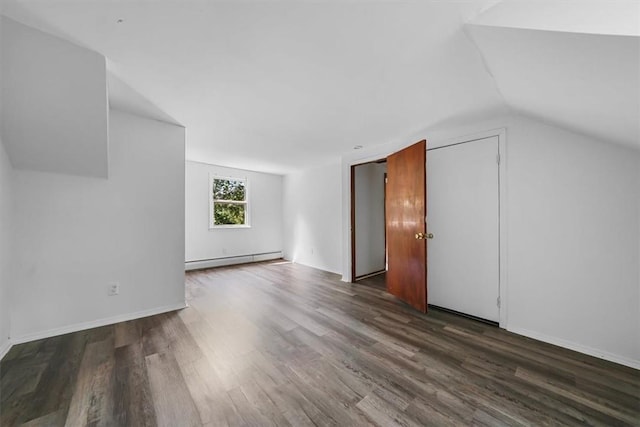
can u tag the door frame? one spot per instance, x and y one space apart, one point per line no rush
352 223
501 133
379 152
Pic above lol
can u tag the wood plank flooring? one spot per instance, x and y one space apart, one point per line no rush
283 344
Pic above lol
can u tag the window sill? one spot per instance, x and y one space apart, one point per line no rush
227 227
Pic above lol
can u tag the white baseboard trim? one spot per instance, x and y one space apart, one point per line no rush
4 348
600 354
232 260
317 267
97 323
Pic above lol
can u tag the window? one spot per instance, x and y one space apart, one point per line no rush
229 202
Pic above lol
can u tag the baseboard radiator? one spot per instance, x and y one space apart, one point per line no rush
232 260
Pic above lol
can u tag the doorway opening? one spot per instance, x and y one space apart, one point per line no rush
466 226
400 213
368 233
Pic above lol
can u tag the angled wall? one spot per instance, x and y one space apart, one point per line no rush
76 235
66 235
55 103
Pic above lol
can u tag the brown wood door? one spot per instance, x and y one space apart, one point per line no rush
406 210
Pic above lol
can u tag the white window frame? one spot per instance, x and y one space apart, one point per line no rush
247 216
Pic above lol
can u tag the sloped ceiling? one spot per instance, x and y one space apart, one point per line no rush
283 85
54 96
279 86
574 64
584 82
125 98
610 17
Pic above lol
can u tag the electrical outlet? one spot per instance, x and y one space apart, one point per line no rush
114 289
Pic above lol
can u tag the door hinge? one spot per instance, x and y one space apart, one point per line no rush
386 180
498 158
498 302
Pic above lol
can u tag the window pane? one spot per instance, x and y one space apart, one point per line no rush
227 189
228 214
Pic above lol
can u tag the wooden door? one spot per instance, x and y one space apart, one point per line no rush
406 210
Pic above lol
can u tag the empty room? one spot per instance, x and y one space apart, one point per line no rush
313 213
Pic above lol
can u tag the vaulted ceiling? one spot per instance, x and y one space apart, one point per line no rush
281 85
573 64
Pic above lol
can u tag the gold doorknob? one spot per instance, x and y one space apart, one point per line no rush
422 236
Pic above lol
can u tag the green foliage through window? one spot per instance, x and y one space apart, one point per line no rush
228 189
228 214
229 201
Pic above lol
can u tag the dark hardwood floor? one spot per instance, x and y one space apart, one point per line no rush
282 344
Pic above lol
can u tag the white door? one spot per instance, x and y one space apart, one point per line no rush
462 214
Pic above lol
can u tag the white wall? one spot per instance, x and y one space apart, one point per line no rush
313 217
74 235
573 214
369 211
55 98
573 242
6 240
265 207
6 231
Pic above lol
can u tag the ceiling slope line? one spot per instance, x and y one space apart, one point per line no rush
585 83
485 65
